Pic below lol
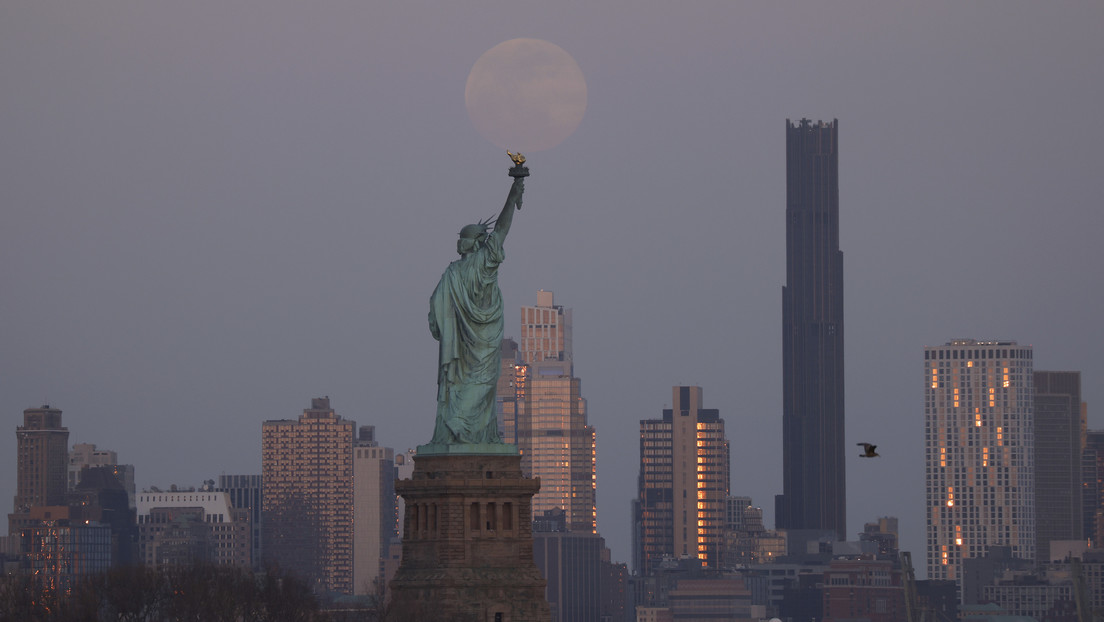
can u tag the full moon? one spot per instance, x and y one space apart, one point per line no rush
526 95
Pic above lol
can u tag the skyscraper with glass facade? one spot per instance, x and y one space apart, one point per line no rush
550 421
979 448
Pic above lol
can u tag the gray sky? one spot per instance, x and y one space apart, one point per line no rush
215 211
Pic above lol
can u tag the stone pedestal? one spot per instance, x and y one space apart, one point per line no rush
467 552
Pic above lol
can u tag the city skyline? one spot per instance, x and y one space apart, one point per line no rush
213 215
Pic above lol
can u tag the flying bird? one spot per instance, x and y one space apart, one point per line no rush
868 450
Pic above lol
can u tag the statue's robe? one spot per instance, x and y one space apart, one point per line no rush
465 316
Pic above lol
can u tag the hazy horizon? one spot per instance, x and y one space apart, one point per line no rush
216 212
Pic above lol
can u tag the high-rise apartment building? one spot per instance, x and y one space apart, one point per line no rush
307 477
1059 436
682 489
979 448
813 448
550 415
375 522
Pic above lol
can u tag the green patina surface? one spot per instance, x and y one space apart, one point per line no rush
465 317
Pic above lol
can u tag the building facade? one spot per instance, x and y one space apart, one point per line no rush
102 499
188 527
42 458
41 464
245 494
746 539
545 331
572 565
813 448
682 490
60 550
862 589
307 509
1059 436
550 415
86 455
558 446
375 520
1092 486
979 437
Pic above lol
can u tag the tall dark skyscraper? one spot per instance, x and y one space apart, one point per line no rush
813 476
1059 437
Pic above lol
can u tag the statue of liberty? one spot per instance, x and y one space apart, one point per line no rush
465 316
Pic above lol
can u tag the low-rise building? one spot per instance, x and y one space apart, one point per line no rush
192 526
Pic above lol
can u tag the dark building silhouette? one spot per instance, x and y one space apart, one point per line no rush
1059 436
571 563
1092 486
99 497
813 476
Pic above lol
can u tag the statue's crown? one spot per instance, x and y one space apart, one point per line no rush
477 230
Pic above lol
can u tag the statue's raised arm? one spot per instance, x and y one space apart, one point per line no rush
513 201
465 316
